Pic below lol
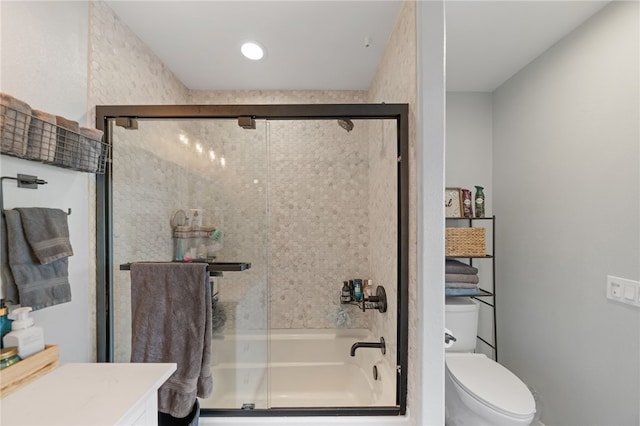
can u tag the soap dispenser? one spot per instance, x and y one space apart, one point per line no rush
24 335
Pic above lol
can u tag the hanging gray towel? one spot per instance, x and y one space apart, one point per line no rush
11 295
47 233
39 286
171 322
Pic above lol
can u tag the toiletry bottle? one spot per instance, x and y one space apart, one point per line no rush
5 322
345 295
369 288
351 290
479 201
202 252
28 339
368 292
357 289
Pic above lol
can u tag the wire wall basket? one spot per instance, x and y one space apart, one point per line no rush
37 136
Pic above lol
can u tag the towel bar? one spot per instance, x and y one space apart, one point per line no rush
23 181
215 268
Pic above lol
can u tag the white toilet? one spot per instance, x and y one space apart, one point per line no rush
478 390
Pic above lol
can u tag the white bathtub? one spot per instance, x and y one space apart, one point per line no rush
306 368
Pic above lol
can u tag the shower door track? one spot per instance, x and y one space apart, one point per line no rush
107 114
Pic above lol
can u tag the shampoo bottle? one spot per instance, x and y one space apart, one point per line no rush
345 296
24 335
357 289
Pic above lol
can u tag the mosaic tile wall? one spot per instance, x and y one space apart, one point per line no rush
315 236
116 52
122 70
319 230
396 81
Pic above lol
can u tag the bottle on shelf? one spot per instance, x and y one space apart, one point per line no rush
345 295
27 338
479 201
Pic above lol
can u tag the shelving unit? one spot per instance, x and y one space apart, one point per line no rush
469 222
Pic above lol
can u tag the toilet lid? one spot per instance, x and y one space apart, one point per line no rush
492 384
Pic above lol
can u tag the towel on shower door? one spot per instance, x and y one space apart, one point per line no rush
171 322
39 286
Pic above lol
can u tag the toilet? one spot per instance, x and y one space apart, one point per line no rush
478 390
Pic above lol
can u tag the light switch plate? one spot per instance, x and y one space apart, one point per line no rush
623 290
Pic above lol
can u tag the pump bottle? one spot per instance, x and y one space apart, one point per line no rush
27 338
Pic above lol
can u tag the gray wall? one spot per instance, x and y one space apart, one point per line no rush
469 162
567 192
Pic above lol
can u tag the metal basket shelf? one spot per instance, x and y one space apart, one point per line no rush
26 136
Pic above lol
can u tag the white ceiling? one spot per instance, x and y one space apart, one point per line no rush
489 41
320 45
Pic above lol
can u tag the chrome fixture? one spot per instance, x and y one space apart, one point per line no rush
449 338
381 346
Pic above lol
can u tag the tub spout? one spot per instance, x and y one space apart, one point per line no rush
380 345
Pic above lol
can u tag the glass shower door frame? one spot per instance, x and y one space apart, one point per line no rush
105 117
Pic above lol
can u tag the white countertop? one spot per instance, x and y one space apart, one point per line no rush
84 394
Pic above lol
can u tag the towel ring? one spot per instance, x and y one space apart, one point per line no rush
24 181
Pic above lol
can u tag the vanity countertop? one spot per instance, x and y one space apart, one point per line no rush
88 394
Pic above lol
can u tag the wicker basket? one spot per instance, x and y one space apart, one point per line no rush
465 242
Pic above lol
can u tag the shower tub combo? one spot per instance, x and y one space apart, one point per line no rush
302 200
305 368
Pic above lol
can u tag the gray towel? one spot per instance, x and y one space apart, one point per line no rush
171 322
461 278
47 233
460 285
453 266
461 291
11 294
39 286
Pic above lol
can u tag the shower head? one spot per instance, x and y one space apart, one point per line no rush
346 124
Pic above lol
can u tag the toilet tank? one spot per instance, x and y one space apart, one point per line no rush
461 318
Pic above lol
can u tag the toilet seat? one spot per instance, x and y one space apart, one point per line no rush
491 384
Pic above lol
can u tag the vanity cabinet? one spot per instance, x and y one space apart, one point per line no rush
486 297
89 394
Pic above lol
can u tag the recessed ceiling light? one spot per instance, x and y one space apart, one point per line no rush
252 50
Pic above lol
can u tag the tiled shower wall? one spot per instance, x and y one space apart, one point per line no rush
116 52
314 183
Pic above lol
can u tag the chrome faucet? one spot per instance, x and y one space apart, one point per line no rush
380 345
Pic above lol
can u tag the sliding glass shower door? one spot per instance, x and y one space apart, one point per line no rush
165 172
285 203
